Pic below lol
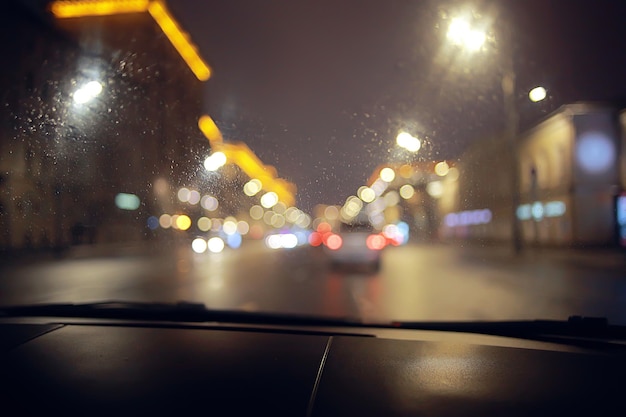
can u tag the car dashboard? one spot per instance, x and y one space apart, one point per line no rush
116 367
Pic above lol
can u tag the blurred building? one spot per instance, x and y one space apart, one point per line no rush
412 194
243 189
102 123
33 83
478 203
572 179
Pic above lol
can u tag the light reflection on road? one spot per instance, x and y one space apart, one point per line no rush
415 283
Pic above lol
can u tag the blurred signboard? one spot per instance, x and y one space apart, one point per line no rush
620 209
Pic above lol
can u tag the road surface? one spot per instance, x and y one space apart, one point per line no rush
416 282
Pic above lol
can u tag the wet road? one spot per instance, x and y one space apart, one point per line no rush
416 282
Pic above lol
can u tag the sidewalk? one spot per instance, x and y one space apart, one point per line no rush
113 250
591 257
102 250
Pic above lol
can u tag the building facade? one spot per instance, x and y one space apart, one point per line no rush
571 179
101 108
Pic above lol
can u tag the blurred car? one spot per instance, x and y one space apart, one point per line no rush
355 245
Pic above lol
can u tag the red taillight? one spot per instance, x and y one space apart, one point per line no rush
324 227
376 242
334 242
315 239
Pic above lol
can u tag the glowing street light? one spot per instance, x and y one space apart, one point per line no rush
215 161
465 35
461 33
409 142
87 92
537 94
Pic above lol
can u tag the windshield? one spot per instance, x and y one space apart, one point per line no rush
219 152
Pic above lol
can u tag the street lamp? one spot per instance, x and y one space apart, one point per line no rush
215 161
463 34
409 142
537 94
87 92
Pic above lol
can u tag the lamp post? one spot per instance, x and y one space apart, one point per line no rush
63 184
511 127
462 33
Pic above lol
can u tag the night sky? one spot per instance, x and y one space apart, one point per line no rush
320 88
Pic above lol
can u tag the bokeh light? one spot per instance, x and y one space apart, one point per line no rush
292 214
165 221
267 217
435 189
126 201
199 245
230 226
215 161
334 242
152 223
323 227
537 94
376 242
194 197
367 194
304 220
216 225
86 93
315 239
215 245
461 33
269 200
204 224
409 142
243 227
331 212
280 208
208 202
252 187
93 88
256 212
234 240
288 240
183 194
387 174
442 168
407 191
277 221
273 241
351 208
183 222
406 171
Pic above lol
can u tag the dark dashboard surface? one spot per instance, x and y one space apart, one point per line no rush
109 369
